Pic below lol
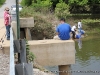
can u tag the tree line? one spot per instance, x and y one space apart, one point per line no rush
74 6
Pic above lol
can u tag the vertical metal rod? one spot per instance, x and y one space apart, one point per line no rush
18 25
17 18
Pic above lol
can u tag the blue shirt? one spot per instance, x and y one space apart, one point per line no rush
64 31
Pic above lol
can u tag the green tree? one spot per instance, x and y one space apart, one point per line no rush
42 5
78 6
94 6
26 2
62 9
54 2
78 2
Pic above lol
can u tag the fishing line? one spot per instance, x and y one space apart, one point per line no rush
2 27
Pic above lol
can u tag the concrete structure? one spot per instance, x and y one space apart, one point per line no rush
53 52
25 23
14 28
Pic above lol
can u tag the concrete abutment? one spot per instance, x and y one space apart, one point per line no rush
48 52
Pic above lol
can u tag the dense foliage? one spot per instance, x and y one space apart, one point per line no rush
43 28
62 9
75 6
41 5
73 10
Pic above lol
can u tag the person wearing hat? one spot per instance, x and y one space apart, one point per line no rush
63 30
7 22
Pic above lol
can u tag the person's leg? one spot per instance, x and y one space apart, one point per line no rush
73 36
8 32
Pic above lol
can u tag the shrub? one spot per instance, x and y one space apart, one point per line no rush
42 28
27 12
26 2
42 6
29 55
62 9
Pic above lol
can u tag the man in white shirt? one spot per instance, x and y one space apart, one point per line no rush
79 25
73 29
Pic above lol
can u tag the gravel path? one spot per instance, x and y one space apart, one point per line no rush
4 64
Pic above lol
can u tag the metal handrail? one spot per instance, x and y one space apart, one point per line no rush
12 65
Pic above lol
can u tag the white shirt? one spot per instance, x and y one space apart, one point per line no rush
73 28
79 25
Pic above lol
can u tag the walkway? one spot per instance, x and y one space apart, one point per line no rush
6 43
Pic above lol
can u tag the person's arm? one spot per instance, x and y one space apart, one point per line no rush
9 20
75 29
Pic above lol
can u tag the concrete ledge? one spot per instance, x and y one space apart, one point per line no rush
26 22
53 52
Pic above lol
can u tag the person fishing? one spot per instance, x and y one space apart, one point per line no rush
7 22
73 29
78 36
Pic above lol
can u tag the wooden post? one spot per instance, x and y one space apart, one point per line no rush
64 70
28 34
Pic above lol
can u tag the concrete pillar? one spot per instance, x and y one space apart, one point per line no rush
14 27
28 34
64 70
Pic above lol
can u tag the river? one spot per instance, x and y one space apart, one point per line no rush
87 58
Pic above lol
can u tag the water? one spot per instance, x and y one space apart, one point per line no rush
87 58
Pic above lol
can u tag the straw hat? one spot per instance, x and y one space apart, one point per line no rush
6 8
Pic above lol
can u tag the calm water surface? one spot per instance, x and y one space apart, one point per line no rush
87 58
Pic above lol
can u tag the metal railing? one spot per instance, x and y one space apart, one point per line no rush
12 65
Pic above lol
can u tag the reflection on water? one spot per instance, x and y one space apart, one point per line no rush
87 59
79 43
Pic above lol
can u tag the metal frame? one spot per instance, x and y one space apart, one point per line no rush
12 65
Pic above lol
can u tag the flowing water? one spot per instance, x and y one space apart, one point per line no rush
87 57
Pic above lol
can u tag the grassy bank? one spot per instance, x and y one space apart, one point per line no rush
2 2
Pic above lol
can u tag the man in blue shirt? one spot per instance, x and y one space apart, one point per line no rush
63 30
